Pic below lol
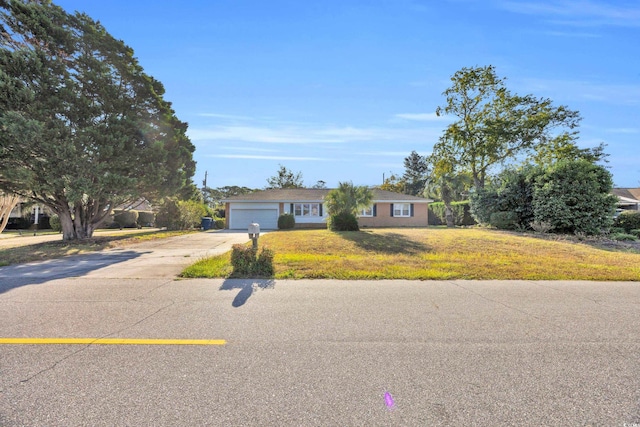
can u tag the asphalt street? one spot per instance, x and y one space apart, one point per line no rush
317 353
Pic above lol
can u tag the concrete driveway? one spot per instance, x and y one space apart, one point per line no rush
153 259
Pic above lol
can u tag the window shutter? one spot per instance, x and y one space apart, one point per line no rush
391 209
320 209
291 211
411 210
374 209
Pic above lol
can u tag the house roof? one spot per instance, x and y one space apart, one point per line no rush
317 195
627 194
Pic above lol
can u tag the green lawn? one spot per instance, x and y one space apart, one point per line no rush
432 253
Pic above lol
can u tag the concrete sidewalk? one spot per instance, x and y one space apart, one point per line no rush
164 258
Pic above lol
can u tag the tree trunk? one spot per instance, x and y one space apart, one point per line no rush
75 227
7 203
448 214
82 221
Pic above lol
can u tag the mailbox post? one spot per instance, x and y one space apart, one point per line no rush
254 233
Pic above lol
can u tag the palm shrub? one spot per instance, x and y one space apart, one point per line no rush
343 204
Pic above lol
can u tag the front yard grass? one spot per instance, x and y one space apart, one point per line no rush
431 253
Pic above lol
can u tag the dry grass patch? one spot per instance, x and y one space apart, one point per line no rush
433 253
58 249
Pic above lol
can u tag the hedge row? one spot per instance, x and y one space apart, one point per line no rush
461 213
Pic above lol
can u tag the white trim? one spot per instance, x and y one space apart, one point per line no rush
362 213
401 210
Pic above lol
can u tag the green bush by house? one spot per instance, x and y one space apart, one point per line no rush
126 219
628 220
343 221
146 219
286 221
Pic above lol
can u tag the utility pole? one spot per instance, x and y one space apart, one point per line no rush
204 183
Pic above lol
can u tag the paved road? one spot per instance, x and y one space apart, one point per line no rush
312 353
322 353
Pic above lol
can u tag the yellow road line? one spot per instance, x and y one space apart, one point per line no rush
110 341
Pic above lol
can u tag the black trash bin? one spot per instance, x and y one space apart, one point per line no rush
206 223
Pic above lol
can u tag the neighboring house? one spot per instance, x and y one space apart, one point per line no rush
388 209
628 198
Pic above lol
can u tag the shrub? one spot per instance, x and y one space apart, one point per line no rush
146 219
343 221
635 232
461 213
219 223
286 221
264 264
242 259
126 219
504 220
628 220
574 196
167 214
245 262
624 237
541 227
54 223
512 191
614 230
180 215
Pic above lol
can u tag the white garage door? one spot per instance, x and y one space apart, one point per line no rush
241 218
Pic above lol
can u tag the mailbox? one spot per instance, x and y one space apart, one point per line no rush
254 230
254 233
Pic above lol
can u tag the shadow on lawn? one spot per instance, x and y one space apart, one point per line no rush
247 288
388 243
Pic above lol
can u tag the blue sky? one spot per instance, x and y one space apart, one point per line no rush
345 90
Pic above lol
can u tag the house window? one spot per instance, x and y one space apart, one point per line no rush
366 211
306 209
402 209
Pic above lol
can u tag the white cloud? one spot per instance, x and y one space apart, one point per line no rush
571 34
384 153
252 149
623 130
307 134
422 117
618 94
579 13
263 157
225 116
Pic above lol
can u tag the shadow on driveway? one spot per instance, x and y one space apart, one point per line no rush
34 273
247 287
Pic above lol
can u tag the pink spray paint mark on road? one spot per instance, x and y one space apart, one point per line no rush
388 400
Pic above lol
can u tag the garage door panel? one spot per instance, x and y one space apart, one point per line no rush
241 218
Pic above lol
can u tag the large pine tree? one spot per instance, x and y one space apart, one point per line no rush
82 127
